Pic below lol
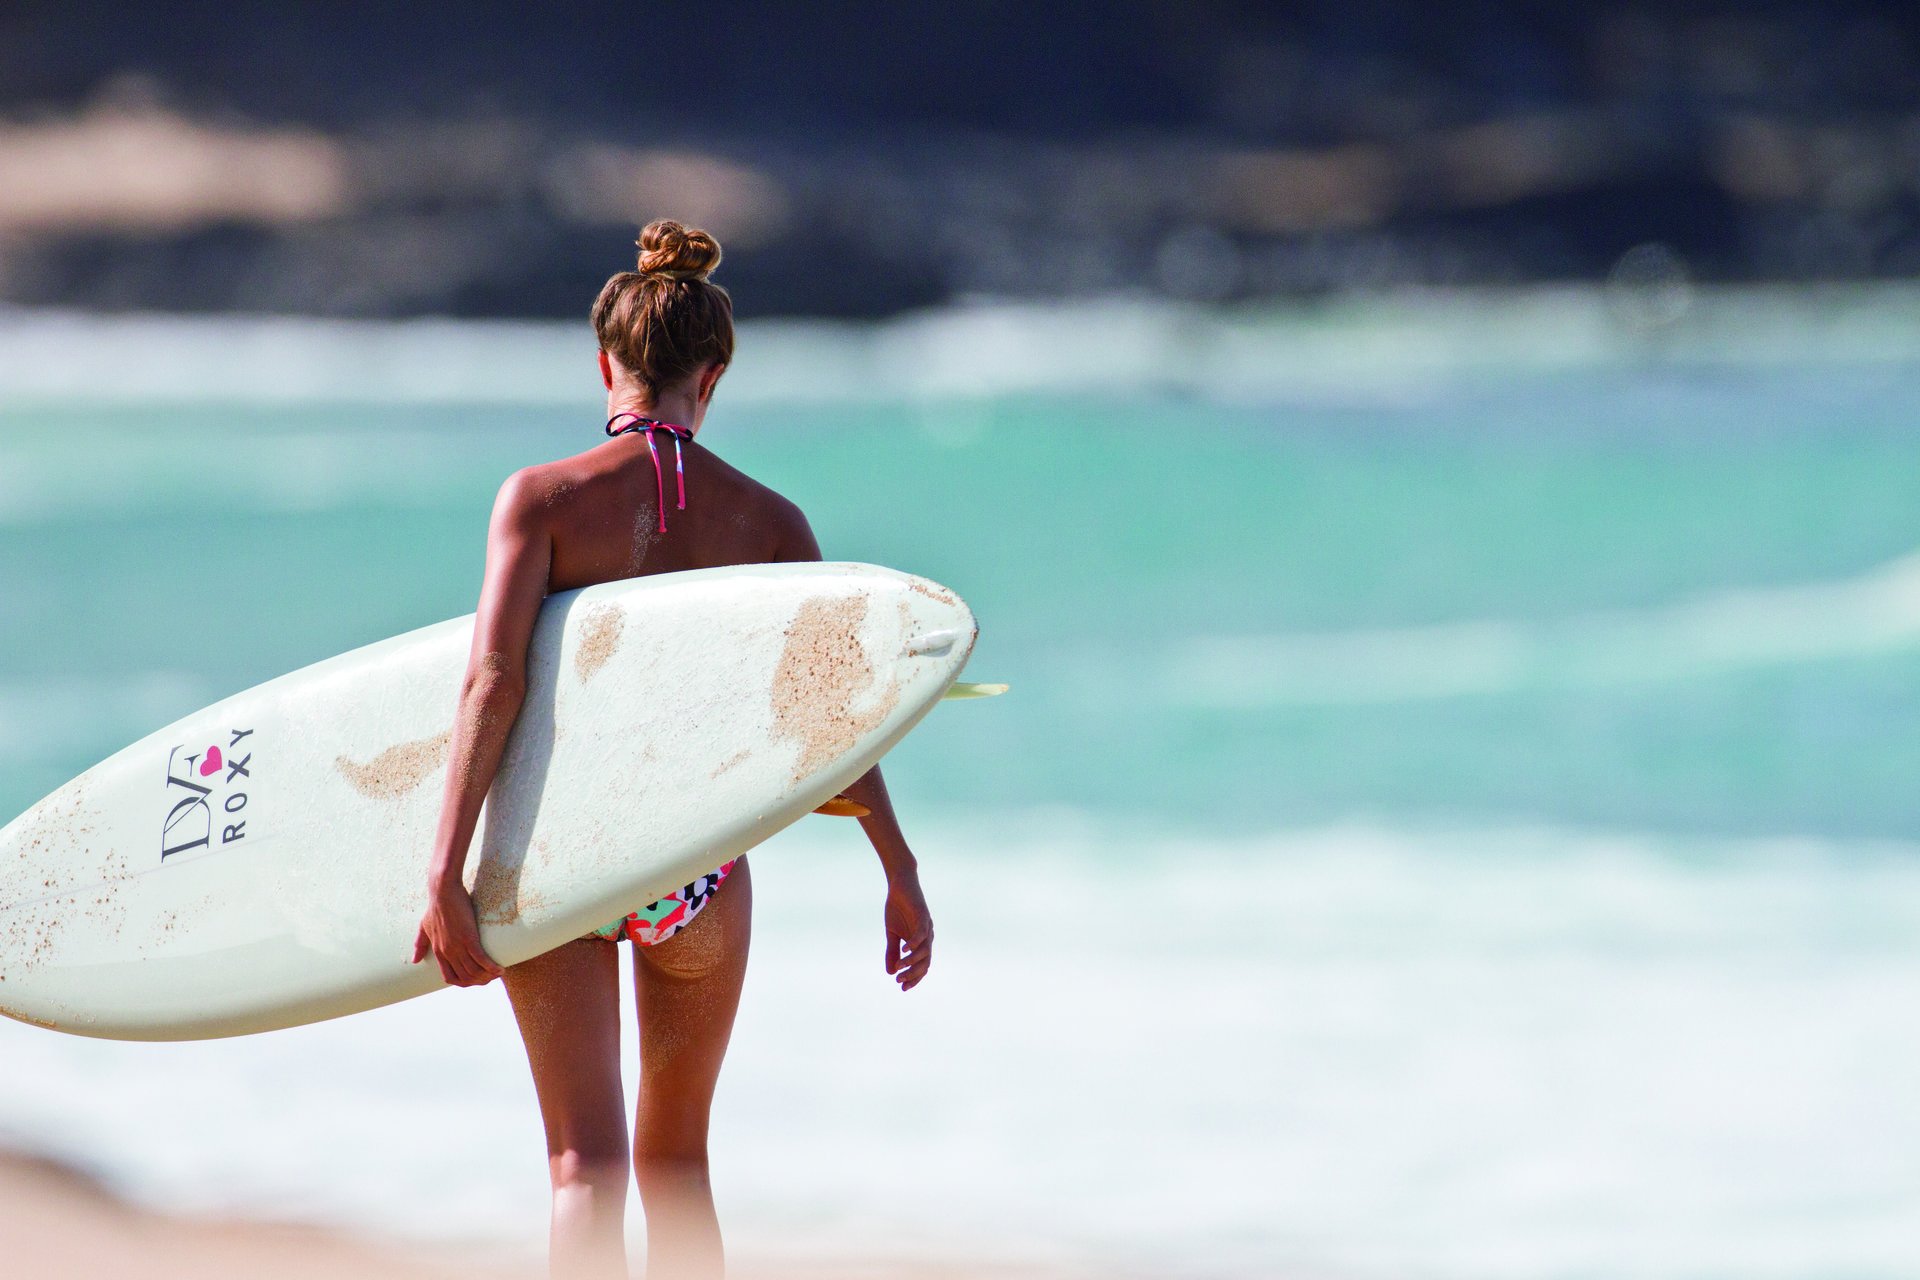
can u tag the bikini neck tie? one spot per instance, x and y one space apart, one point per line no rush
680 436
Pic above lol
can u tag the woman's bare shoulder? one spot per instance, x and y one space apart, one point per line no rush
744 493
547 485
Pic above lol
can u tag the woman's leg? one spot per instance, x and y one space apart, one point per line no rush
567 1003
687 989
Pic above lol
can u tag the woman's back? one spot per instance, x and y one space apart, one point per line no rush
602 510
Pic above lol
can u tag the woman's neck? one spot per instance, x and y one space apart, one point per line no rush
677 407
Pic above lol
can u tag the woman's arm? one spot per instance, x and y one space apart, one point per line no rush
519 555
909 923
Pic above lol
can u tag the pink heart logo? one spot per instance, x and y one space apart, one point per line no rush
211 763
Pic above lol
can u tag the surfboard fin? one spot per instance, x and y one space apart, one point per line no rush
963 690
841 807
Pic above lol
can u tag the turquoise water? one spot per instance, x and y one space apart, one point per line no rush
1479 606
1455 823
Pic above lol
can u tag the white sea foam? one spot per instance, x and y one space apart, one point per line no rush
1369 348
1876 612
1353 1051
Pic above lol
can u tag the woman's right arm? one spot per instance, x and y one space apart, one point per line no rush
519 556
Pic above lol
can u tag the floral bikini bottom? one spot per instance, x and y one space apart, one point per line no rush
660 920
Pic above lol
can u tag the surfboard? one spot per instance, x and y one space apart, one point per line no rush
262 863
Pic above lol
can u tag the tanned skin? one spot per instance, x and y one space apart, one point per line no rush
594 518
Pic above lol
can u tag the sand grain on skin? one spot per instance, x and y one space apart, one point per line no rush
644 536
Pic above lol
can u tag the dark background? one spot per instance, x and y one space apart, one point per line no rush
860 159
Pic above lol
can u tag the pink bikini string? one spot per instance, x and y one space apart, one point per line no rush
680 436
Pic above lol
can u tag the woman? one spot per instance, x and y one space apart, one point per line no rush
666 336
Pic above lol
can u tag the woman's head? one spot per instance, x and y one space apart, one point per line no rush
666 323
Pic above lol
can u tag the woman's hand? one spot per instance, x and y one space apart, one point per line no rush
909 929
451 930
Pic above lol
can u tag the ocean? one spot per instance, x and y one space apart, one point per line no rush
1454 817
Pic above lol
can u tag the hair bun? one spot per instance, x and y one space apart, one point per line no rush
677 253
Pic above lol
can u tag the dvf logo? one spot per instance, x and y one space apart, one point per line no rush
198 781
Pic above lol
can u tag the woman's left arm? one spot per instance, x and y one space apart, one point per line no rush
519 557
909 923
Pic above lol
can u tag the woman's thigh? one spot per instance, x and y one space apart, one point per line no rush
567 1003
687 990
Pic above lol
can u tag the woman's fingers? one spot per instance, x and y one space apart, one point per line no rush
449 965
893 951
910 976
479 963
464 973
913 964
463 963
476 968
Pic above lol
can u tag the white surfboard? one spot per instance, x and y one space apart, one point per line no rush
262 863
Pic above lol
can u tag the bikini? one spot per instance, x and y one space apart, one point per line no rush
680 436
661 919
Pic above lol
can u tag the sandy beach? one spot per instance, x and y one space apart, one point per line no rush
56 1220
